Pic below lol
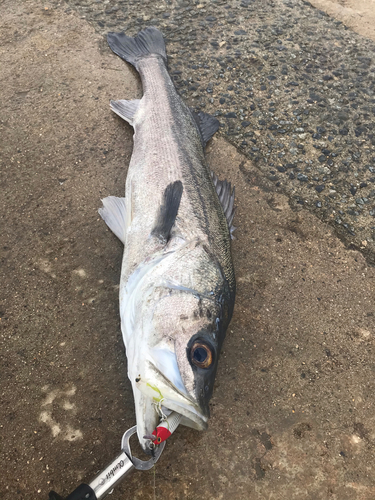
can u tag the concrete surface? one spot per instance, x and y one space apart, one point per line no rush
359 15
294 90
293 409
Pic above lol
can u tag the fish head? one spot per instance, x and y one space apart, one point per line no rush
176 358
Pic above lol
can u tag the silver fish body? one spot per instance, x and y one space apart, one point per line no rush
177 284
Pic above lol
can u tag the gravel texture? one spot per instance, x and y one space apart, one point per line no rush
292 88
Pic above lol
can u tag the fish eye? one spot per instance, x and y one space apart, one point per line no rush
201 355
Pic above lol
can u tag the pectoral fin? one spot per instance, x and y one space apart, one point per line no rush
168 211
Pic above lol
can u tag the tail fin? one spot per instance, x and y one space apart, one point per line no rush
148 41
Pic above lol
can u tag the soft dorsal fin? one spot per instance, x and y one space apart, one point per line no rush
226 198
125 109
168 211
113 213
207 125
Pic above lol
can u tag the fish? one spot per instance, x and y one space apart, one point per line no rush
177 284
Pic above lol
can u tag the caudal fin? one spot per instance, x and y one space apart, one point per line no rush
148 41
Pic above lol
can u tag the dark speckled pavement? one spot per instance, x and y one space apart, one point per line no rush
293 89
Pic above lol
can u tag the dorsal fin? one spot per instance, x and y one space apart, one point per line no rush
226 198
168 211
206 124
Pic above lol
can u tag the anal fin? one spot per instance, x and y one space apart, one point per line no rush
226 198
113 213
125 109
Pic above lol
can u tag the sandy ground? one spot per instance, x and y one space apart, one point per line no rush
359 15
293 409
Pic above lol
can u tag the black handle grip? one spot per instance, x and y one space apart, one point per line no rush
83 492
54 496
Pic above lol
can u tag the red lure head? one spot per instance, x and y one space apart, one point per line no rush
161 434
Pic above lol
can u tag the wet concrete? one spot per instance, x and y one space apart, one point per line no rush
293 88
292 412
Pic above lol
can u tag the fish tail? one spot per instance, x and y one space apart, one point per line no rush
148 41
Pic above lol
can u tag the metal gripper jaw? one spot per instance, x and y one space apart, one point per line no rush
115 472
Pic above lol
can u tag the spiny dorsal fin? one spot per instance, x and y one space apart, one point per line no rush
207 125
113 213
168 211
226 198
125 109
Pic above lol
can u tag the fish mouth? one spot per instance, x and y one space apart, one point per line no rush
194 415
191 416
172 395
